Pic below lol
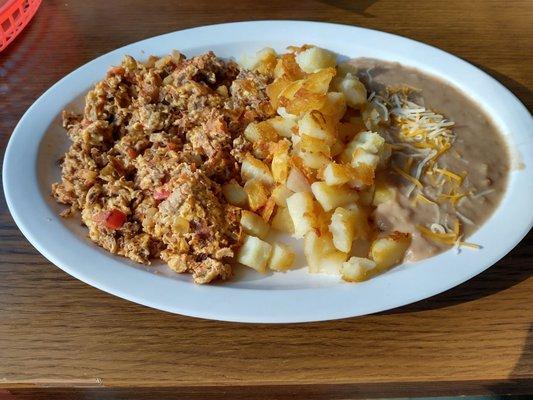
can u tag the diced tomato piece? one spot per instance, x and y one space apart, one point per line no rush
161 194
172 146
132 153
113 219
116 71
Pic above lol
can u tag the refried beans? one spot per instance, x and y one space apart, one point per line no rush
479 155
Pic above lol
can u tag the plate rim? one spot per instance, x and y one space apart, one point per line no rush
264 314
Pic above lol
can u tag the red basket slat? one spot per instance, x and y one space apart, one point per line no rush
14 16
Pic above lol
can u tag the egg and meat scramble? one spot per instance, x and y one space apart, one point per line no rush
194 161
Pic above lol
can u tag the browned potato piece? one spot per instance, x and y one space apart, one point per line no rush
390 250
282 220
257 194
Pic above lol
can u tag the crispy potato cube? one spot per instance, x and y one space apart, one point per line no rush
383 192
285 127
252 168
253 224
280 194
343 227
353 89
235 194
288 67
256 131
307 94
315 58
390 250
338 174
357 269
331 197
317 125
297 181
254 253
282 221
361 156
300 206
268 209
257 194
313 160
363 230
275 89
371 142
282 257
321 255
280 167
313 145
262 61
334 106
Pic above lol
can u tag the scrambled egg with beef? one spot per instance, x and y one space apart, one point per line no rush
149 153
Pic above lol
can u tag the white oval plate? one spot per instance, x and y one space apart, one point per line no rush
38 141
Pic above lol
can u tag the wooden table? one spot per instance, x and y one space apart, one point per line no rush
61 337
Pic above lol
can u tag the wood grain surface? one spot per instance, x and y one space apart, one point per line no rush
60 338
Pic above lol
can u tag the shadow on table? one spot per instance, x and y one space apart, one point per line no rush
358 7
523 367
514 268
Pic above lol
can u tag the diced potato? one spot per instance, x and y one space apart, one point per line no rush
357 269
315 58
254 253
300 206
275 89
284 126
280 194
313 145
363 229
235 194
390 250
371 142
343 228
338 174
282 221
263 61
268 209
253 224
252 168
288 68
282 257
383 192
361 156
321 255
331 197
334 106
257 194
307 94
353 89
317 125
297 181
256 131
313 160
281 161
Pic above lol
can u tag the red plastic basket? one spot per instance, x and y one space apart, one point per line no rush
14 16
